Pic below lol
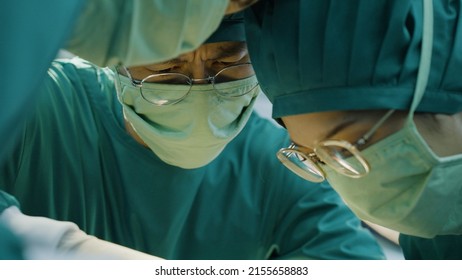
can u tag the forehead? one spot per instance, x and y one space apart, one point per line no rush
213 51
221 51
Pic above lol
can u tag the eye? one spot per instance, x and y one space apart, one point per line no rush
228 61
165 70
162 70
168 67
223 63
220 64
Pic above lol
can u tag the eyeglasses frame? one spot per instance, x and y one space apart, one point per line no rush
314 158
191 81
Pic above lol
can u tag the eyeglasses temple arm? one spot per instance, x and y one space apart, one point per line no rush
371 132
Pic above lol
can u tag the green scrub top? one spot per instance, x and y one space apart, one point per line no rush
76 162
447 247
11 247
32 33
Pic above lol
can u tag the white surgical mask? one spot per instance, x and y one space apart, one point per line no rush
193 132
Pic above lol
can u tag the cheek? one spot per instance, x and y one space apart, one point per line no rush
139 73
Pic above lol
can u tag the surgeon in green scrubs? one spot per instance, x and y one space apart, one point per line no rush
170 160
35 32
371 95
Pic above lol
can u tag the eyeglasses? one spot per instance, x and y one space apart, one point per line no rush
152 93
340 155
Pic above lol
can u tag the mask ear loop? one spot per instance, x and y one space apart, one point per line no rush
425 56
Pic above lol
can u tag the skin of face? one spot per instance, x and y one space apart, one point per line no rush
238 5
443 133
205 61
201 63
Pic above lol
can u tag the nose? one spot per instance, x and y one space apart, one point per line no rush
199 73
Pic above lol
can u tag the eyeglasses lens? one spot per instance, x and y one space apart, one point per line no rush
344 160
301 165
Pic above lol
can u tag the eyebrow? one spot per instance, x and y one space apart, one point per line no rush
175 60
223 52
326 136
338 128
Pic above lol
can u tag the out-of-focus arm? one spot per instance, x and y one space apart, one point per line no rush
389 234
44 238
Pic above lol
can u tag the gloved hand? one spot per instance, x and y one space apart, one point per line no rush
45 238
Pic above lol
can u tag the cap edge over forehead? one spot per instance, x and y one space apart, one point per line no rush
365 98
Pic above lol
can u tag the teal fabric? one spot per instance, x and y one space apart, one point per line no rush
10 245
32 32
447 247
76 162
327 55
7 201
231 29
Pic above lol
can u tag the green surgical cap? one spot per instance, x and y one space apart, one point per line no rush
321 55
231 29
132 32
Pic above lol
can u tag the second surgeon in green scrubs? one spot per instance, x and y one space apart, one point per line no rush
79 160
371 95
